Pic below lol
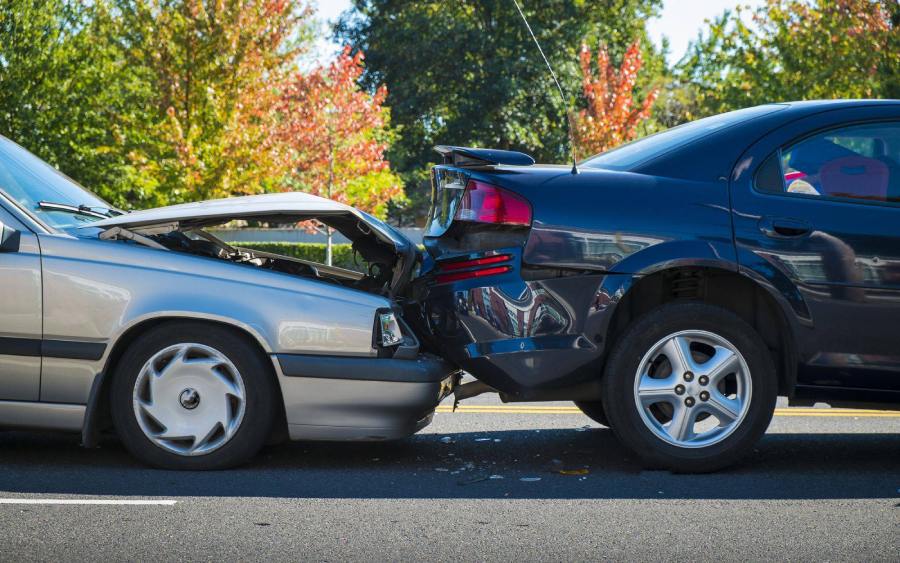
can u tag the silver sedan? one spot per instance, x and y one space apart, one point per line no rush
194 351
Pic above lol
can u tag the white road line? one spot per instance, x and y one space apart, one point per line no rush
87 501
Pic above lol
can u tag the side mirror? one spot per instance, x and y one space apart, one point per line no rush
9 239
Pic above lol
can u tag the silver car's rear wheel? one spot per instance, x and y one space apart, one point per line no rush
189 399
693 388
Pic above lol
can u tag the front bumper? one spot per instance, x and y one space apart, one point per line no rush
348 398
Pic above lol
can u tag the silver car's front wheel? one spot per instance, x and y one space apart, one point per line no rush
693 388
189 399
194 395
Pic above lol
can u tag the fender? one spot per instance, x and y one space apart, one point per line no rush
679 254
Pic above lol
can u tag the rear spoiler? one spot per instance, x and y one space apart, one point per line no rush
467 156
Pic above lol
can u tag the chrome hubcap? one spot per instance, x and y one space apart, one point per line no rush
189 399
693 389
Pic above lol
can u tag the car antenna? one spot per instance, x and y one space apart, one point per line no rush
562 94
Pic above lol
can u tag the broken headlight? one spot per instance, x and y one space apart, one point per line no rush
389 330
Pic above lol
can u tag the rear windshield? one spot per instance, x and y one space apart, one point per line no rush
648 148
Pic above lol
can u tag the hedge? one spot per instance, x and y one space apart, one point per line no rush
341 254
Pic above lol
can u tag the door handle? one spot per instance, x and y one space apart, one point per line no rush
781 227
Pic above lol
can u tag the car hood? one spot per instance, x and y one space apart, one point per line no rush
284 207
217 211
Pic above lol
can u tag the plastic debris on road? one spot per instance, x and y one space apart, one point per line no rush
581 471
529 479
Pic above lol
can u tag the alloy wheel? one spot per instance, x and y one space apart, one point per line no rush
693 389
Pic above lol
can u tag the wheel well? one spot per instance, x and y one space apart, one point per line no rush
722 288
98 417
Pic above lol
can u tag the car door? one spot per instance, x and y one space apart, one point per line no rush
816 208
20 311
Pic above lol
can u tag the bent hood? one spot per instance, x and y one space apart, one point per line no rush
356 225
285 206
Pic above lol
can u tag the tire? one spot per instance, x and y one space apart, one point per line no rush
155 418
593 410
720 426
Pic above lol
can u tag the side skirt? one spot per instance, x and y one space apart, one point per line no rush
41 416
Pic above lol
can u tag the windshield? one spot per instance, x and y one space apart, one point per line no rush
29 180
648 148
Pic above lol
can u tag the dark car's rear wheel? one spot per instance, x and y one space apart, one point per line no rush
594 411
690 387
193 396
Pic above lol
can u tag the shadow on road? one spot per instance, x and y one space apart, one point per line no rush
466 465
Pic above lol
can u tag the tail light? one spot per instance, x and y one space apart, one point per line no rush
484 203
458 270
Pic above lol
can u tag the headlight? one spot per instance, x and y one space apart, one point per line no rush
390 329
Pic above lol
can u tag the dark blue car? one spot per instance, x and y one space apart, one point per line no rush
675 286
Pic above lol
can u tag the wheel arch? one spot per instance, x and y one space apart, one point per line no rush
97 413
751 300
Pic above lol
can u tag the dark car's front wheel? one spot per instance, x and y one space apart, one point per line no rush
193 396
690 387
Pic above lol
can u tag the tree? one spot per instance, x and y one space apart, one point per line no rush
467 72
216 70
337 135
796 50
151 102
64 93
613 113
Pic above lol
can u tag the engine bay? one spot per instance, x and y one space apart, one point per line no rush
376 261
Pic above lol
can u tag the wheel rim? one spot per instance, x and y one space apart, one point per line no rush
189 399
693 389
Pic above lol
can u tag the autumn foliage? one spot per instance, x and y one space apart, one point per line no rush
336 135
214 69
613 110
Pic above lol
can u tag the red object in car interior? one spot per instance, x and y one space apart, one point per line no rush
484 203
474 263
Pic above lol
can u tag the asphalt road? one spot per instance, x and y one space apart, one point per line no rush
484 484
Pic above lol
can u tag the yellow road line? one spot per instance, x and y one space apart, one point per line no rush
539 409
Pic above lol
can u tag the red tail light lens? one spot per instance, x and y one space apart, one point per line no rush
450 271
478 262
483 203
457 276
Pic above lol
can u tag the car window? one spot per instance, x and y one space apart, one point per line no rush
27 180
860 162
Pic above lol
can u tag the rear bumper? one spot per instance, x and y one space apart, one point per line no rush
524 338
345 398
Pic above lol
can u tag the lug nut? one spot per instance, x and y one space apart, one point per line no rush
689 401
679 389
704 395
703 380
688 376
